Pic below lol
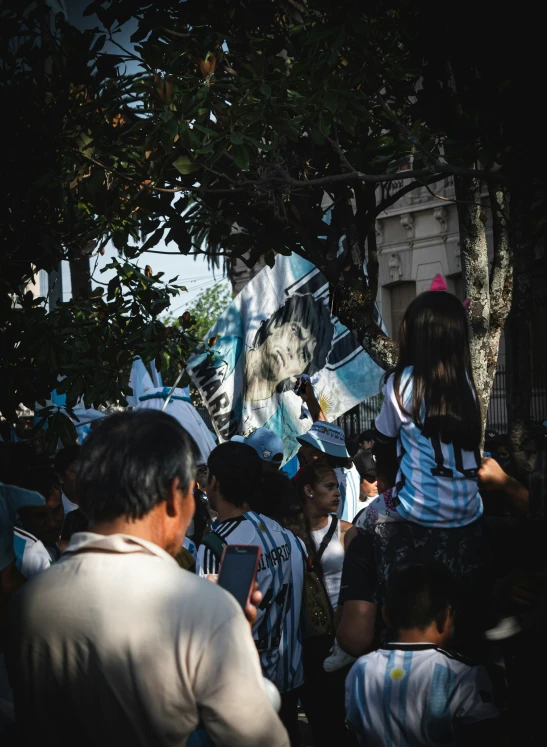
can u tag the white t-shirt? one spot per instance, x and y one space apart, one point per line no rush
349 485
117 623
437 483
332 561
415 694
281 580
31 556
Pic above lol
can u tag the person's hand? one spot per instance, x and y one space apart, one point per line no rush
491 475
307 394
251 610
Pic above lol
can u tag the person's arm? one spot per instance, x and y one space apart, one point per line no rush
230 693
355 632
345 526
312 403
492 477
349 535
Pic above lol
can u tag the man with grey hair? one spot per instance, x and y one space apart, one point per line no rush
116 644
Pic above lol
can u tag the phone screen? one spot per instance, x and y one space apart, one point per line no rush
238 570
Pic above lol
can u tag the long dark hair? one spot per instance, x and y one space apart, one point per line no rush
434 341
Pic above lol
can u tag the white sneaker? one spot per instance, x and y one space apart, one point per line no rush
507 627
338 658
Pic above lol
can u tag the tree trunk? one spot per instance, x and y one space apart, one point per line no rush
519 371
80 277
484 340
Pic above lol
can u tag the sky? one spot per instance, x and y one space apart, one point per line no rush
192 272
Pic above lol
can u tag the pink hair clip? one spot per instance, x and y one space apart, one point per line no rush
439 284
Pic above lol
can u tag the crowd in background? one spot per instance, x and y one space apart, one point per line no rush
401 591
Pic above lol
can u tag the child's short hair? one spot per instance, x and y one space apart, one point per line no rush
417 594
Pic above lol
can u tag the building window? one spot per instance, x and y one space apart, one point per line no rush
401 295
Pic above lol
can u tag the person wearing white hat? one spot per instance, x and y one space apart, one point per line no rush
268 445
326 442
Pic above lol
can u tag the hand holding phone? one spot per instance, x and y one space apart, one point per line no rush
238 569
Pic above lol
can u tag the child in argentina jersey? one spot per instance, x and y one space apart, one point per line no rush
437 483
280 578
432 411
416 693
413 692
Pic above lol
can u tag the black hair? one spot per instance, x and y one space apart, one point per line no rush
418 594
308 313
434 341
387 461
366 436
65 457
238 469
128 462
42 480
280 500
201 475
311 475
365 465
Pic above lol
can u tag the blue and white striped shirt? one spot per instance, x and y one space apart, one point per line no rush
437 483
415 694
349 485
280 577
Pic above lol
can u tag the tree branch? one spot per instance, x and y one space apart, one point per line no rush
178 34
392 199
397 176
151 188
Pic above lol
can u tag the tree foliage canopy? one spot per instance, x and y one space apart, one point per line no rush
242 129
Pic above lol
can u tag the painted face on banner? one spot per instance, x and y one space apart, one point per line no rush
286 352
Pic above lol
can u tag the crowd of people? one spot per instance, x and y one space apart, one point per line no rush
400 596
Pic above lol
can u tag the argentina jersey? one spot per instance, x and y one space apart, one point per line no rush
31 556
349 485
437 483
280 578
416 694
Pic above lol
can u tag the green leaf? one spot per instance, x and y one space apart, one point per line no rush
236 138
325 123
329 100
185 165
265 90
206 130
317 137
241 157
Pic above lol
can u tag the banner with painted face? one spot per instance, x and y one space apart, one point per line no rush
277 328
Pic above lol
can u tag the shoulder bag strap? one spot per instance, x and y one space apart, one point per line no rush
326 539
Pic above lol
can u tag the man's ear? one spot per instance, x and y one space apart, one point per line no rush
176 496
444 619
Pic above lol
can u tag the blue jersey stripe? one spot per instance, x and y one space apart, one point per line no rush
386 700
403 697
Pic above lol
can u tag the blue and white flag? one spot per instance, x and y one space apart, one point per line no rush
277 328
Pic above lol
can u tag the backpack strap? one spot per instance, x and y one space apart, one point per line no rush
326 539
215 543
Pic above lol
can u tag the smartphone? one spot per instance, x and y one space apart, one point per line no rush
238 569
